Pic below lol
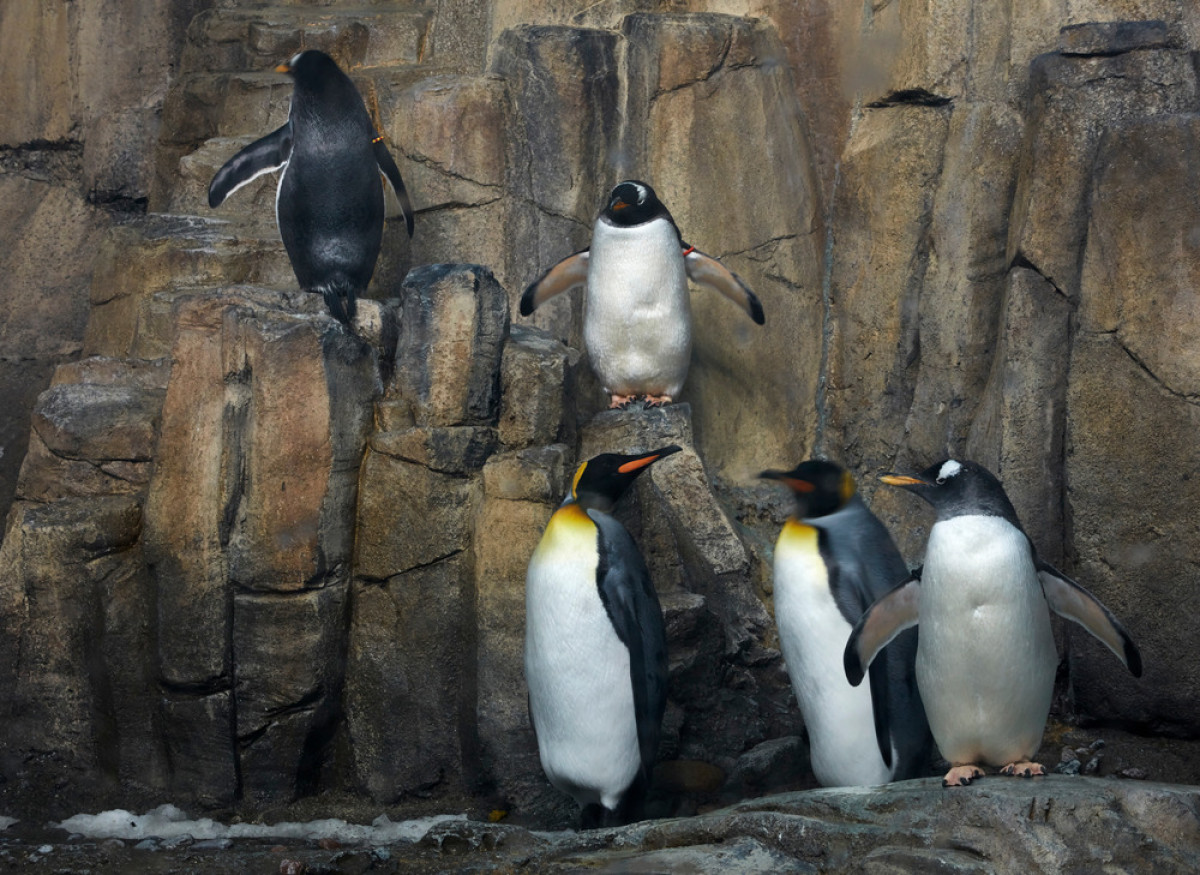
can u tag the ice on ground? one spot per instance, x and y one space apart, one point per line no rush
167 821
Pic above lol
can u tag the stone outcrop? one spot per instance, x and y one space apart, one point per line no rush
253 556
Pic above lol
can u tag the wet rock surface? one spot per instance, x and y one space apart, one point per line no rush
1053 824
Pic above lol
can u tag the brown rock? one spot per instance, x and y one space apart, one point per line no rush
409 515
409 686
289 678
1075 99
882 212
456 450
963 287
97 422
536 376
535 474
453 325
52 657
1132 419
1022 413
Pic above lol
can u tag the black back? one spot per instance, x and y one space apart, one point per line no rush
330 206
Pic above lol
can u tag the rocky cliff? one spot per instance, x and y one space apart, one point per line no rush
252 557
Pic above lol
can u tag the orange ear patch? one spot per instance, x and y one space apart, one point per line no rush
798 485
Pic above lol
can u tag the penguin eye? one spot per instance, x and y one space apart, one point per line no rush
939 481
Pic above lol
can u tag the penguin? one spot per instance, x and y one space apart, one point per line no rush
637 322
986 657
596 647
833 559
329 205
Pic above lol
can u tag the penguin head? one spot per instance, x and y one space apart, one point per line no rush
820 487
310 69
603 479
957 488
633 202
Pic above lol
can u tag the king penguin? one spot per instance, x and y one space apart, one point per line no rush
986 657
329 204
637 322
595 647
833 559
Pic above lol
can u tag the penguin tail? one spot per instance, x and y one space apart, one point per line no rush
341 298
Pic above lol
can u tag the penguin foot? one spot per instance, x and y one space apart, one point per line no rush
961 776
620 402
658 400
1023 770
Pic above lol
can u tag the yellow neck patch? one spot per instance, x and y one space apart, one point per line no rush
798 536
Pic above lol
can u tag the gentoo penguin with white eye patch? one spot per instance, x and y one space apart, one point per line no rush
637 322
833 559
329 204
595 647
986 657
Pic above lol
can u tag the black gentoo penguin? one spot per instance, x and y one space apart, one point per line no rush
637 323
595 647
329 205
833 559
986 658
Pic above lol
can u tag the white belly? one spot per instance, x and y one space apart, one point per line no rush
637 315
813 635
577 669
985 658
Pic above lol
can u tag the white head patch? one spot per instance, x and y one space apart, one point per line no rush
641 190
948 470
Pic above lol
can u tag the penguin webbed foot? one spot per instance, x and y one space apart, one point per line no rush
658 400
1024 769
620 402
961 776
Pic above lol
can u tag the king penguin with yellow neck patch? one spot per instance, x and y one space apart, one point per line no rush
596 647
833 559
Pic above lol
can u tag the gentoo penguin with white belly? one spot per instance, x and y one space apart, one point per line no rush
637 322
329 204
986 657
595 647
833 559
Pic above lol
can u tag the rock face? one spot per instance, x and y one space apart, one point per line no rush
251 556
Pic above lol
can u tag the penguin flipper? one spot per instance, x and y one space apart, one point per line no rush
888 617
568 273
707 271
1070 600
392 173
262 156
632 606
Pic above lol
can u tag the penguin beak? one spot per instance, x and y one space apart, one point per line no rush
648 459
618 205
793 483
903 480
283 68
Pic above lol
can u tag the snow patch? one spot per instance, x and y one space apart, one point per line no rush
167 821
6 822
